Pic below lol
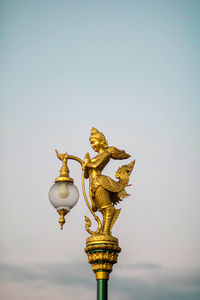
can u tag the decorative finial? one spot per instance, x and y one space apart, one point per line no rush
62 213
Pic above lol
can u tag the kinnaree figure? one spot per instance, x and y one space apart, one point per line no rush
102 248
105 192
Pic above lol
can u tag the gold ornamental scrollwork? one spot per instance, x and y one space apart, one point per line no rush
102 266
103 256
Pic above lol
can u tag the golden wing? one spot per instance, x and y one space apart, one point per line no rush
109 184
117 154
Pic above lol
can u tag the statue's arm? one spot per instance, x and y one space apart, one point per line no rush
98 160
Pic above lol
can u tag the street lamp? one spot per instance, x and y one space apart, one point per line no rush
101 247
63 195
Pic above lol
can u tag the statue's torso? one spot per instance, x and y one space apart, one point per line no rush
99 162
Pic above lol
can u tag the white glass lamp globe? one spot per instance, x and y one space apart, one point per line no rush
63 195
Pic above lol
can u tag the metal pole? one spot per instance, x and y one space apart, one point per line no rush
102 289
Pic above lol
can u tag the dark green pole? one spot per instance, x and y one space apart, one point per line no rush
102 289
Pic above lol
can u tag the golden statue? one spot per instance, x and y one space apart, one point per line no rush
101 247
104 191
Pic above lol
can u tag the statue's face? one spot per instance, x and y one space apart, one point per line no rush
95 144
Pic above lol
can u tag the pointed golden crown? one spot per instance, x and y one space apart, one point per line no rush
95 133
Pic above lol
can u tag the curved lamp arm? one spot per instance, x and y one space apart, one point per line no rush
84 193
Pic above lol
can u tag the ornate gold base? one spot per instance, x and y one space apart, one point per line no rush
102 251
101 239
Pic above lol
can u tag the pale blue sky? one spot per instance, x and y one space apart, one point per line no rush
131 69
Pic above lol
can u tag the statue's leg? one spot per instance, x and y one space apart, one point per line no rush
108 214
102 198
105 206
92 201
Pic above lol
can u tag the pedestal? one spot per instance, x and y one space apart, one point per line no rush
102 251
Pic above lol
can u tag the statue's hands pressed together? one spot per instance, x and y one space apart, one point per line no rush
87 158
86 161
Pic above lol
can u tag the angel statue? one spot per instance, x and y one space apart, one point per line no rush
105 192
102 248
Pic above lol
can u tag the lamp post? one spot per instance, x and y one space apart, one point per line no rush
101 248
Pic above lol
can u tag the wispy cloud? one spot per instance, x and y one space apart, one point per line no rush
153 282
157 283
142 266
58 274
